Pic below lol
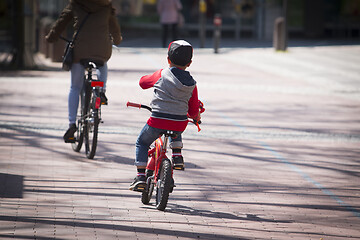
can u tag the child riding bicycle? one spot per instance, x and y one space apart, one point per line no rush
175 98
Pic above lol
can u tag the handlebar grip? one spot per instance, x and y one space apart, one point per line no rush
131 104
196 123
137 105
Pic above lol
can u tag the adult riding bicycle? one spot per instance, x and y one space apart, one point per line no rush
90 111
159 169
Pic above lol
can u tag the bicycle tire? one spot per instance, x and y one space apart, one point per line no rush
91 133
80 126
91 122
147 193
76 146
164 185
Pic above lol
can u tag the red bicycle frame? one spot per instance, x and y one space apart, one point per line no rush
159 167
157 154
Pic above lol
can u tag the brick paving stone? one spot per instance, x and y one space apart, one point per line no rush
277 157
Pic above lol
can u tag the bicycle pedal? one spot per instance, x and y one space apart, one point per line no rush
139 187
182 168
70 140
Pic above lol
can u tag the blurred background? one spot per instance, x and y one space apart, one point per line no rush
24 23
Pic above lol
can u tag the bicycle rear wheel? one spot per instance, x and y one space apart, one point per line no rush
164 185
91 133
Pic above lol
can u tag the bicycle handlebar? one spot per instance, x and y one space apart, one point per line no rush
196 123
138 105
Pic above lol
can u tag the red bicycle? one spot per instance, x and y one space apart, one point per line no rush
159 169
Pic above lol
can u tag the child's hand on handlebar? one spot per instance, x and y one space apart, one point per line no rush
197 118
201 107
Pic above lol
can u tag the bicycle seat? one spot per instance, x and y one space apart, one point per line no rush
170 134
86 62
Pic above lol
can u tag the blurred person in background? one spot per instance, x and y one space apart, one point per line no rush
169 11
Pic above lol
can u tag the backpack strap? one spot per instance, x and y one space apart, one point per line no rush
81 25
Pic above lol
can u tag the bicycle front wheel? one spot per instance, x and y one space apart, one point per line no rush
91 133
79 138
164 185
76 146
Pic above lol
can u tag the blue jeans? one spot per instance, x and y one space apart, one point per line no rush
146 137
77 81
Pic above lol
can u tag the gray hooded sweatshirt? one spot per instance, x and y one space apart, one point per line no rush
171 94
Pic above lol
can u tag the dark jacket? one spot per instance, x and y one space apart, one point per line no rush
96 36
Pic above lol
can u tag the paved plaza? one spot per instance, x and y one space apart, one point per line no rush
278 156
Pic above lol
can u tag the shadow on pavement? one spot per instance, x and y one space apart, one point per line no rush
91 225
184 210
11 186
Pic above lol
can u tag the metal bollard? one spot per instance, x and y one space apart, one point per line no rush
202 22
279 40
217 32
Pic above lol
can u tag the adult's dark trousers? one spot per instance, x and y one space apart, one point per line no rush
165 32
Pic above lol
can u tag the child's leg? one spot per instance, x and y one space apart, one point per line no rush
146 137
176 145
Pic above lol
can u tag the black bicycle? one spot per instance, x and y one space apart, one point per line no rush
90 110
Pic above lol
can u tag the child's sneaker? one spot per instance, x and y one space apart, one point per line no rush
69 135
178 161
139 183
